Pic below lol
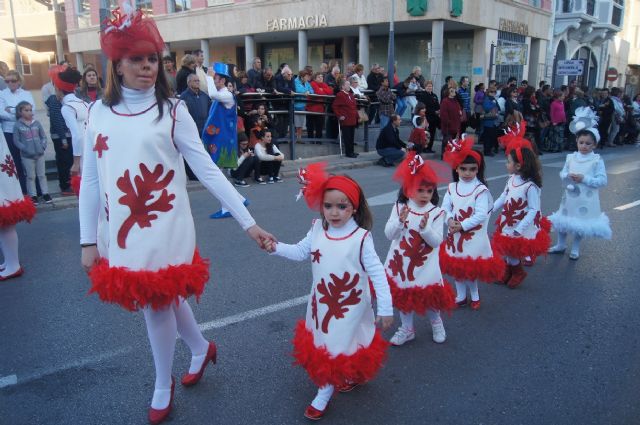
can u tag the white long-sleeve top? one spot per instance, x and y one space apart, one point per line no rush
370 260
533 203
481 210
11 99
433 235
261 152
223 95
595 180
187 141
70 116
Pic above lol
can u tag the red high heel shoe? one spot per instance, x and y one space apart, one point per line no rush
314 414
157 416
18 273
191 379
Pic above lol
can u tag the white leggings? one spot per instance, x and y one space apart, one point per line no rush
461 290
9 248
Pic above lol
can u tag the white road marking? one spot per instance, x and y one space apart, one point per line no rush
624 168
627 206
5 381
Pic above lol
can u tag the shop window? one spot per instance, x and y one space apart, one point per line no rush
503 72
176 6
145 6
616 16
591 7
26 64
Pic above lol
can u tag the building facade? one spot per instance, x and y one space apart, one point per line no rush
451 37
626 49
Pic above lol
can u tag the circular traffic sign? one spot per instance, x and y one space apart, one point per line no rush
612 74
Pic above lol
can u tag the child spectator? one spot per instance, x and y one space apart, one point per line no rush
247 162
30 138
418 136
270 158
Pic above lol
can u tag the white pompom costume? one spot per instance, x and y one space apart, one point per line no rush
413 260
14 206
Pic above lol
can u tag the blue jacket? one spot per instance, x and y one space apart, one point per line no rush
198 106
491 110
465 95
301 88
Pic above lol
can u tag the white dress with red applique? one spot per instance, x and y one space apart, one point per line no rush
14 206
520 205
338 341
413 261
134 177
468 255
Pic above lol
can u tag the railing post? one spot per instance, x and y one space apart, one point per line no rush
366 135
292 130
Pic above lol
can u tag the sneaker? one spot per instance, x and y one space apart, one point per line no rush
241 183
278 180
35 200
47 198
574 256
260 180
557 249
271 180
439 334
219 214
402 336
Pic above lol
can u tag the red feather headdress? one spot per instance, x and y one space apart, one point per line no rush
458 150
514 140
315 181
130 33
414 170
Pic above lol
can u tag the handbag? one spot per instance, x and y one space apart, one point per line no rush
362 116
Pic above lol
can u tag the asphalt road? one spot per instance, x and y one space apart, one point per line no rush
561 349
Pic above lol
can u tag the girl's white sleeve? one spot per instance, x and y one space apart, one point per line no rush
447 207
188 142
564 173
378 276
598 178
393 228
480 212
533 207
433 235
499 203
262 154
77 134
297 252
89 202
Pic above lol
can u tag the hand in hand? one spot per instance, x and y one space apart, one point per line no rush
260 236
89 257
384 322
423 222
269 246
404 213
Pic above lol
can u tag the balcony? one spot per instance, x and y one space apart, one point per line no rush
589 21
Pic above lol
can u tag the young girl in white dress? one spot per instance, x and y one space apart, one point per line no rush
337 343
416 230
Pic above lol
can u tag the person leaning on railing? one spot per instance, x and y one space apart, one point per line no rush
315 123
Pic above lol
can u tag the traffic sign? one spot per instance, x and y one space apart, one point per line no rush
570 67
612 74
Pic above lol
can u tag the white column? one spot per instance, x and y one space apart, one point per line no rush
527 67
437 50
79 60
537 58
249 51
482 39
363 47
204 46
302 50
348 51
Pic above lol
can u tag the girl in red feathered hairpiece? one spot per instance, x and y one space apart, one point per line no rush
522 233
467 255
130 33
415 231
338 343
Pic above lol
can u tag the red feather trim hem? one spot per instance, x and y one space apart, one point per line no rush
75 184
324 369
419 299
521 247
17 211
134 289
486 270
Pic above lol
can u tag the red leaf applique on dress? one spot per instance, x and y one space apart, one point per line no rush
101 145
136 198
314 308
332 296
465 235
416 250
512 212
537 219
316 256
396 265
8 166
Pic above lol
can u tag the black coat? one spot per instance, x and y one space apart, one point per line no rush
389 138
181 78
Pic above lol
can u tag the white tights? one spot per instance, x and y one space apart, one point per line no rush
407 318
511 261
461 290
162 328
575 246
9 247
323 397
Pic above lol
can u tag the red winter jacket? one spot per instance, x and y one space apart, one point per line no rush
345 105
450 115
319 88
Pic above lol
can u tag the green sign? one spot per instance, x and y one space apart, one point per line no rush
456 8
417 7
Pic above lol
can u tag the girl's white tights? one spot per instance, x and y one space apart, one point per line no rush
323 397
162 328
9 247
511 261
407 318
461 290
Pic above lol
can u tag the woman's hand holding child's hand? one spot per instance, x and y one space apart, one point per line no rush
385 322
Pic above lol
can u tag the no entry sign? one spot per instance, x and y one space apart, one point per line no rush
612 74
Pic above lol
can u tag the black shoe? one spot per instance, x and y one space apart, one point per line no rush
241 183
381 162
47 198
351 155
260 180
278 180
35 200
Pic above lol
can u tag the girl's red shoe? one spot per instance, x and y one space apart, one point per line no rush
314 414
475 305
157 416
193 378
18 273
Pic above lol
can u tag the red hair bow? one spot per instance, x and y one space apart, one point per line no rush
514 140
130 33
414 171
315 181
458 150
54 74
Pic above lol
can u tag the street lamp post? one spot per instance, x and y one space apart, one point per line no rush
15 38
390 51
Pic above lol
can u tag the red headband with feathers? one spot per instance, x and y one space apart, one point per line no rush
130 33
315 181
514 140
414 170
458 150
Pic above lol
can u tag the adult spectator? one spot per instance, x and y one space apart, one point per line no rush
4 68
432 109
606 112
90 89
201 69
374 81
9 99
61 138
268 83
315 123
354 82
284 81
401 89
386 98
478 100
324 68
255 73
444 90
464 94
47 91
350 69
619 116
578 101
270 158
511 102
410 94
188 66
362 80
417 74
389 146
284 85
169 66
450 118
332 78
302 87
345 109
490 121
198 102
